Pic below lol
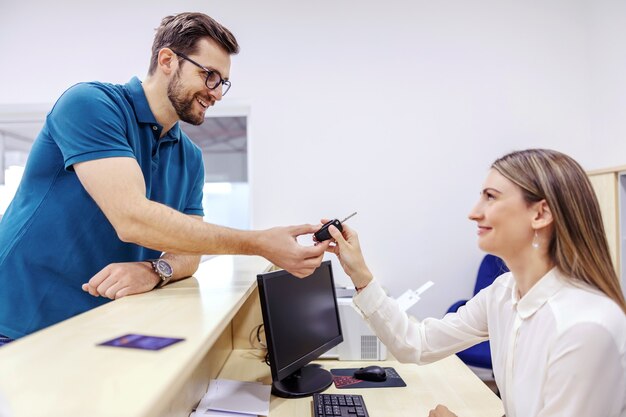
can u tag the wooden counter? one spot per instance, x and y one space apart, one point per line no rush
448 381
61 372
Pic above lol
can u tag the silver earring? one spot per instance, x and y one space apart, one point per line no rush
535 243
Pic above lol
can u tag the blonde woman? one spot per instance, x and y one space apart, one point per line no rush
556 323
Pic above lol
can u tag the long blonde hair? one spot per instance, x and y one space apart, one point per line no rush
578 246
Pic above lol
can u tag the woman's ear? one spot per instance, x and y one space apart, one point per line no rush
542 215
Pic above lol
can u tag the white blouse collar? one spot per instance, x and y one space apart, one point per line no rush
538 295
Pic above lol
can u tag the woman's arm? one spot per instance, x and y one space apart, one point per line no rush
408 340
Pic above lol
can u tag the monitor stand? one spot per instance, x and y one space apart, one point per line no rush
304 382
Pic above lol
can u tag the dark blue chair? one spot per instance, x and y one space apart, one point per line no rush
490 268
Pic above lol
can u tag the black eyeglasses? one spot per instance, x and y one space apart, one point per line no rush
213 78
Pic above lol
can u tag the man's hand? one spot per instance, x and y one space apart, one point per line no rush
279 246
118 280
441 411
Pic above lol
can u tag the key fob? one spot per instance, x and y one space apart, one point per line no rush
324 234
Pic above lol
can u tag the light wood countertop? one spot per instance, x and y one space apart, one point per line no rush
448 382
60 371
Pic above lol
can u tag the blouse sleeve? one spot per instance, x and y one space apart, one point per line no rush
585 376
426 341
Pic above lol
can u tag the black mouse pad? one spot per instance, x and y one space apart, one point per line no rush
343 379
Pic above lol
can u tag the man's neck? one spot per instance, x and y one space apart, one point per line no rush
156 94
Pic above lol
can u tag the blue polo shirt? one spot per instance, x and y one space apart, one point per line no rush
53 236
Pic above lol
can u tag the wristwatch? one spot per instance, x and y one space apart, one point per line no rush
163 269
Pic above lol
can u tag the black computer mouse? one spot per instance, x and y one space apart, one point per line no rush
372 373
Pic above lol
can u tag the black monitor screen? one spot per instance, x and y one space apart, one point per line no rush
301 321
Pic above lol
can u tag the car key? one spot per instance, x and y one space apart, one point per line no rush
324 234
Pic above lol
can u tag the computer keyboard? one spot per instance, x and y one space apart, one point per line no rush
344 405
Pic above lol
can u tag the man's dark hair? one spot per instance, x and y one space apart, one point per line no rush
182 32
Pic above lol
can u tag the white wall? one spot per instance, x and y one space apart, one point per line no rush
394 108
607 31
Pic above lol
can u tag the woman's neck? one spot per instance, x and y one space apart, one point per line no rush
528 270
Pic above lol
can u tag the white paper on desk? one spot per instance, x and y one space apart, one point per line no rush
208 397
215 413
238 396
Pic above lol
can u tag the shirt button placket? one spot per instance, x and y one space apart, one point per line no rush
155 149
510 364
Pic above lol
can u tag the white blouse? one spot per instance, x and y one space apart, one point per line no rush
558 351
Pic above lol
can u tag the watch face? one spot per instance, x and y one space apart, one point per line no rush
164 268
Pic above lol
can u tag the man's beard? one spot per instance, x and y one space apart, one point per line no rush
183 105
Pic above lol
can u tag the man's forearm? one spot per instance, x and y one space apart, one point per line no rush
183 265
156 226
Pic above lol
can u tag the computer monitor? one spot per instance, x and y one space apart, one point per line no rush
301 321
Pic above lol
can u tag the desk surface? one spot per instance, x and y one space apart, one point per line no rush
60 371
447 382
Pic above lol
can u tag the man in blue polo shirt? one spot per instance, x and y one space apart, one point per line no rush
110 203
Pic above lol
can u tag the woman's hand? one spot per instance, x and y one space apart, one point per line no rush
441 411
349 253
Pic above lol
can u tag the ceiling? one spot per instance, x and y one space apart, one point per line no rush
219 134
215 135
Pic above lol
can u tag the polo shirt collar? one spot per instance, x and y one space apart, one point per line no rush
174 133
140 102
143 112
538 295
